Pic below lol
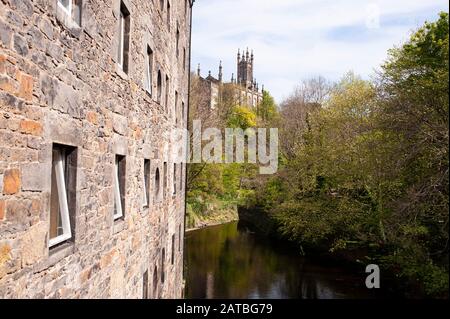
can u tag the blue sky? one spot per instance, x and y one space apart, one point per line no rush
296 39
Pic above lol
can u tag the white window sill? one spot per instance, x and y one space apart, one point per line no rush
119 225
56 254
121 73
63 16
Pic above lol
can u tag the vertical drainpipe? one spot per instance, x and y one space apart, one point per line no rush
186 123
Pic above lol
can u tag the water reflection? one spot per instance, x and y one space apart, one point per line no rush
228 261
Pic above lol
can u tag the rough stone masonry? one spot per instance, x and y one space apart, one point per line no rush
106 78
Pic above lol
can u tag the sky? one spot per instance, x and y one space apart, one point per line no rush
298 39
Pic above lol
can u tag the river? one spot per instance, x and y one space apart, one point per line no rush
230 261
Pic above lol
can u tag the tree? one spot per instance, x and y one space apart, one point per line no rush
267 109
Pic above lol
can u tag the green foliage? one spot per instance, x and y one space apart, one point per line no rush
267 110
371 170
241 117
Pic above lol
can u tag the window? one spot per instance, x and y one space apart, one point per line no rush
184 60
181 177
161 5
159 87
180 235
63 193
119 187
167 92
182 112
178 42
149 70
168 15
174 179
72 8
155 281
185 7
172 258
176 107
145 285
163 259
157 184
124 37
165 178
146 184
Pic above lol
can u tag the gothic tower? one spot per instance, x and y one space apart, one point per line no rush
245 69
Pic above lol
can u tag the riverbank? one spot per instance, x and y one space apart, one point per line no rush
215 211
210 225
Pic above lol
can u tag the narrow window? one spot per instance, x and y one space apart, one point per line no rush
124 37
174 179
168 15
149 70
176 107
157 184
184 60
146 184
72 8
180 235
161 5
185 7
63 193
145 285
119 187
181 177
172 258
178 42
163 259
165 178
167 92
155 281
159 87
182 112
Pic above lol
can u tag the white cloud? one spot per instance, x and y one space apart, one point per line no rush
294 39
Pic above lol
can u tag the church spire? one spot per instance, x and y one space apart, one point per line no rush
220 71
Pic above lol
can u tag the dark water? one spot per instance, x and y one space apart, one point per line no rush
229 261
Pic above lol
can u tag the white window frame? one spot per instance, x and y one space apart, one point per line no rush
68 10
117 197
175 178
149 72
121 39
62 198
146 198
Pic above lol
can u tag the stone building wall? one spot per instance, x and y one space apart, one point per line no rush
60 83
